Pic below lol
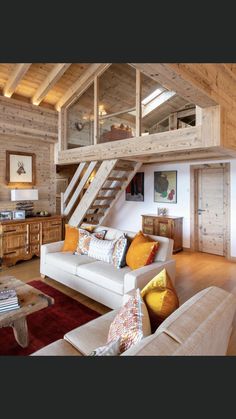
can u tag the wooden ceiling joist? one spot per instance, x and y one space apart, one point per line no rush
81 85
15 78
52 78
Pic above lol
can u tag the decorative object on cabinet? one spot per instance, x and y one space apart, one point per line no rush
20 168
165 186
135 189
168 226
5 215
18 215
162 211
21 239
25 198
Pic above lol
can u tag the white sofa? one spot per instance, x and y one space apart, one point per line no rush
99 280
201 326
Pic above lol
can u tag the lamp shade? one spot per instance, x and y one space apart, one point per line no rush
24 195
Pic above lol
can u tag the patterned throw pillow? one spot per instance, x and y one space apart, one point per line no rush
101 249
131 323
120 250
85 238
110 349
160 298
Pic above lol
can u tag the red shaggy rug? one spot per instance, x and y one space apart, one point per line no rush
49 324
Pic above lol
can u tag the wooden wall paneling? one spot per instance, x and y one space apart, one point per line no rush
211 126
213 79
15 78
45 171
177 140
25 120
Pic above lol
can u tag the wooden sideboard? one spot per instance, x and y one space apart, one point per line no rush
21 239
171 227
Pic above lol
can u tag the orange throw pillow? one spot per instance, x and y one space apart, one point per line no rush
142 251
71 239
160 298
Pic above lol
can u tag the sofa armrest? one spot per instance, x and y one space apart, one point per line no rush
140 277
49 248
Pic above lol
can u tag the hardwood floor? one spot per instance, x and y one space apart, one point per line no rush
194 272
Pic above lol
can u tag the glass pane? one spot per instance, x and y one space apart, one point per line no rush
117 88
162 109
81 120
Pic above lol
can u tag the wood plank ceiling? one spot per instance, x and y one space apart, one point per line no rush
117 86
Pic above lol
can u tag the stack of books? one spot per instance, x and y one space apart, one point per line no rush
8 300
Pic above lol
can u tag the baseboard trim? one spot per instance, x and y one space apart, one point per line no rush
231 258
187 249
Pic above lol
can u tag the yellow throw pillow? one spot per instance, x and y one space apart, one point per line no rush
87 227
160 298
142 251
71 239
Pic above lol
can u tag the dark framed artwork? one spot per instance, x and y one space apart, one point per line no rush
165 186
135 189
20 168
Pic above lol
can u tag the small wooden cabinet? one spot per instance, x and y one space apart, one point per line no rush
21 239
171 227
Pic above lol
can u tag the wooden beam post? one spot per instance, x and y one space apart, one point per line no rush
96 110
173 121
62 130
52 78
15 78
138 103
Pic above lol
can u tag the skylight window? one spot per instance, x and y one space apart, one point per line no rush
153 95
154 100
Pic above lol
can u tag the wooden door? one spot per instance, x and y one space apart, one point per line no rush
210 211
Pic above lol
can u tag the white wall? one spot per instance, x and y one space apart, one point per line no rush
127 215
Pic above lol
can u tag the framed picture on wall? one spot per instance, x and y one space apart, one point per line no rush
20 168
135 189
165 187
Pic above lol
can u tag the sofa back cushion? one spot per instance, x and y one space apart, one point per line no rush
165 248
201 326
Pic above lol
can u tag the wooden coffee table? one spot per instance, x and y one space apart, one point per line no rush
30 300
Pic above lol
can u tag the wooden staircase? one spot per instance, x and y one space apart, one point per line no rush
100 185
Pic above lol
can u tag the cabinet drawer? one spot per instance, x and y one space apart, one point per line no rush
51 224
34 228
147 230
35 249
14 228
148 221
11 243
34 238
52 235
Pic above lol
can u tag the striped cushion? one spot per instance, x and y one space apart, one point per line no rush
101 249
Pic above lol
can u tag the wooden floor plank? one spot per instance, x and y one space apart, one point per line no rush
194 272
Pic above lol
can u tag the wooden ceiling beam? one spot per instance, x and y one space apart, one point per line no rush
172 79
15 78
81 85
55 74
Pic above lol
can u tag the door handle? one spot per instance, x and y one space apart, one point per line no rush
200 211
